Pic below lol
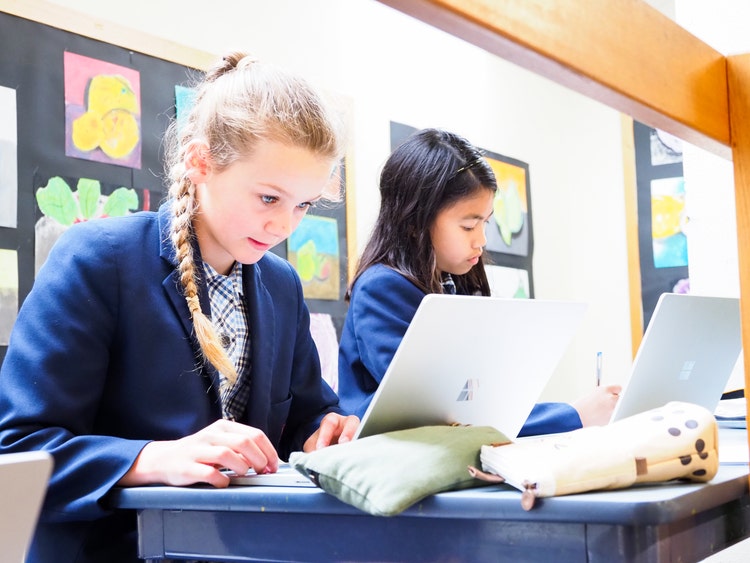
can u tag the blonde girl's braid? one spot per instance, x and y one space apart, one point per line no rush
184 205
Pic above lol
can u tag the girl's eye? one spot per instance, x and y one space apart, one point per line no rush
269 199
306 205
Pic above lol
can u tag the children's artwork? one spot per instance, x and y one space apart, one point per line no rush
8 293
184 98
61 202
326 340
661 220
668 220
313 250
665 148
508 282
507 231
102 111
8 158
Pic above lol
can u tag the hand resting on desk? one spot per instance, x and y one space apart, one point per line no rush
595 408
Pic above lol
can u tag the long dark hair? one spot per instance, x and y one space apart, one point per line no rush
432 170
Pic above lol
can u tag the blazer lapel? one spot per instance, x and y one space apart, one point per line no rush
171 283
262 323
173 288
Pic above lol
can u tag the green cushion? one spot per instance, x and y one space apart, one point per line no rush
386 473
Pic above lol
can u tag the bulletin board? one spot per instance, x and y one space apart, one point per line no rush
35 86
662 221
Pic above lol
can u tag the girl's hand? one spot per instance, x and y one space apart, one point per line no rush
595 409
199 457
334 429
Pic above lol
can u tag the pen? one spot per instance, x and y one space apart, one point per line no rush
598 369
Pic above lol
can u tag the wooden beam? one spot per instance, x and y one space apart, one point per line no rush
631 233
623 53
738 75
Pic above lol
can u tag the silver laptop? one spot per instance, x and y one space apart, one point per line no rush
687 354
23 484
472 360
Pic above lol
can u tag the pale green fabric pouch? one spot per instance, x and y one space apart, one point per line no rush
387 473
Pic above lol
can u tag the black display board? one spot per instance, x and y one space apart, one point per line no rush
657 157
31 63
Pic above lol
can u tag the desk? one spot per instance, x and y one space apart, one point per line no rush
664 522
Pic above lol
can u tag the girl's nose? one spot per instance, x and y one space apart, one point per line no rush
481 239
281 225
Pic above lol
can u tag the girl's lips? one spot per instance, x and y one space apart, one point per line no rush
258 245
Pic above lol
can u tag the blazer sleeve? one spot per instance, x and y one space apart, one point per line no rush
54 373
550 418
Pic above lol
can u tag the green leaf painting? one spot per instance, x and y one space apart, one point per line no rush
88 197
57 201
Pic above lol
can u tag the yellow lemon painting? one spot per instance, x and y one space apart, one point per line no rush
508 231
668 223
102 111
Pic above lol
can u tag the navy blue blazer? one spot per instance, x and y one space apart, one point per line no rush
383 303
102 360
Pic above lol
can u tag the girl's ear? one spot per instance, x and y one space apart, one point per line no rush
197 162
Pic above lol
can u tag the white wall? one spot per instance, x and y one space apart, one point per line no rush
709 180
393 67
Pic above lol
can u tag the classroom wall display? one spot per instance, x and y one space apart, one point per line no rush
62 202
102 111
508 282
99 170
184 98
510 241
90 119
326 339
313 250
8 158
662 221
8 292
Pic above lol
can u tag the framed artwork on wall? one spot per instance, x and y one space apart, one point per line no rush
662 221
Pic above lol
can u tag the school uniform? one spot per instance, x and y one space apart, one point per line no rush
383 303
102 359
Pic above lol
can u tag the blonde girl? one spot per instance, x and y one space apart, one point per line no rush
164 346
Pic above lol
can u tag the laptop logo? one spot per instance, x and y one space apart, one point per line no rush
687 370
467 393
